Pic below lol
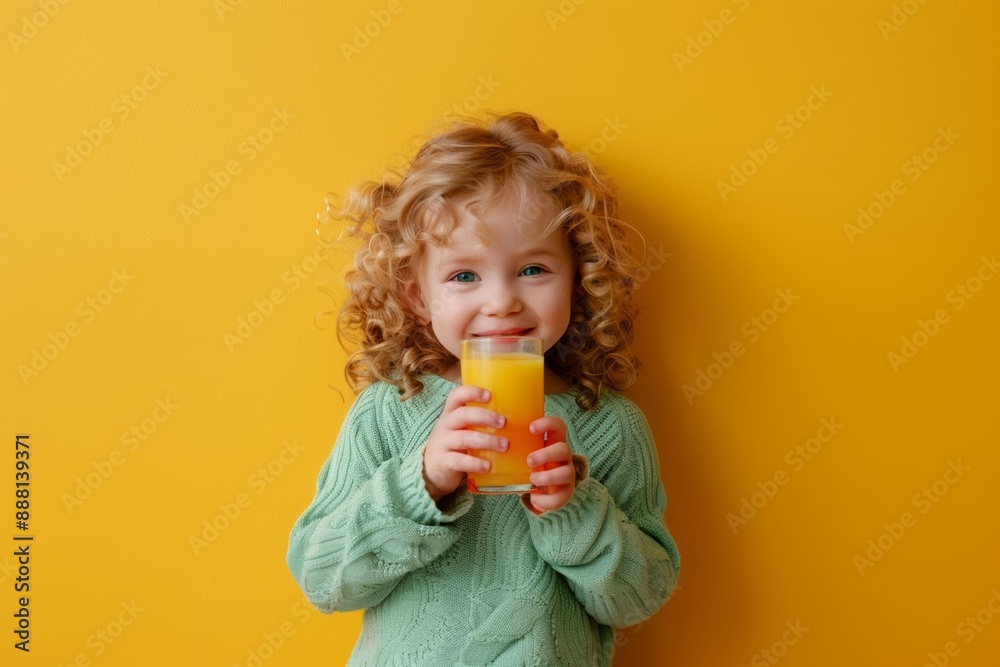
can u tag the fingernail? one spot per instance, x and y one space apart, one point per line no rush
532 429
504 444
501 420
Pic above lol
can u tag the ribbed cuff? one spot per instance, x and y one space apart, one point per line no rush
572 510
418 504
566 535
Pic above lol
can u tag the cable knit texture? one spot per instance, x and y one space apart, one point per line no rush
481 580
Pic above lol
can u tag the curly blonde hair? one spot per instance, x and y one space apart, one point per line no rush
488 160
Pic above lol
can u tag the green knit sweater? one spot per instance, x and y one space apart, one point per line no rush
481 580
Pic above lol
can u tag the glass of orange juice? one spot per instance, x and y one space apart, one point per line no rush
512 368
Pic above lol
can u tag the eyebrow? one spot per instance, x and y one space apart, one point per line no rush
473 260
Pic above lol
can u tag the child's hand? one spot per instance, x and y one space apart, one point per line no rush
445 459
557 481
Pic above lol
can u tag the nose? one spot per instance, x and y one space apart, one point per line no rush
502 300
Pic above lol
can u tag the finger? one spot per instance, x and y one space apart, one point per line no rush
553 427
564 474
463 440
458 462
468 415
546 502
463 394
557 452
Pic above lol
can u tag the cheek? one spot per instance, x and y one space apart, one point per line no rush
448 295
560 303
569 290
447 302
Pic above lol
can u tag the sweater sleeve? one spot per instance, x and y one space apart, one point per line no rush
372 520
609 541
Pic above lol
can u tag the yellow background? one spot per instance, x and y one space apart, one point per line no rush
672 129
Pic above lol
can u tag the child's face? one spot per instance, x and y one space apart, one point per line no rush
517 282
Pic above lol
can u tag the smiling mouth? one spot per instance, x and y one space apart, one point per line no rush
502 332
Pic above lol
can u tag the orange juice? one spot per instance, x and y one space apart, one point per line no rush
516 384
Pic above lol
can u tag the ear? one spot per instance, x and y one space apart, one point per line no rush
415 299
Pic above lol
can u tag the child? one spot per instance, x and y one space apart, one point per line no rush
493 230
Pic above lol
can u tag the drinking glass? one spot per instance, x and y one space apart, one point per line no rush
512 368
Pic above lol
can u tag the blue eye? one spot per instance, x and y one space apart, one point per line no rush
532 271
464 277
